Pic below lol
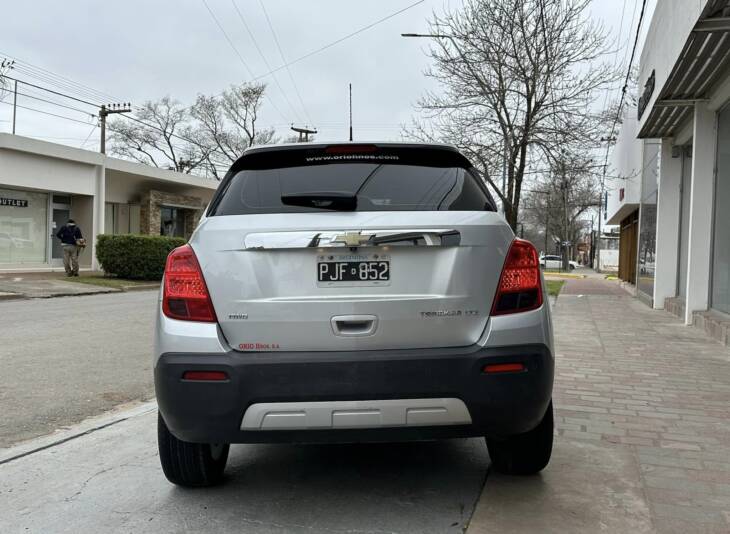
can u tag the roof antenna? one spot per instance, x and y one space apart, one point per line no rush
350 112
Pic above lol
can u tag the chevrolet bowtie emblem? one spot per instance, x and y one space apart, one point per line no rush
353 239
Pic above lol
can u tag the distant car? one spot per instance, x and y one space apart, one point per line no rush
556 262
351 293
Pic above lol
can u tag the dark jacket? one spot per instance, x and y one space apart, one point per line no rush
69 234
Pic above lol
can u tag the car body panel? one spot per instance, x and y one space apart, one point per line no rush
270 299
346 361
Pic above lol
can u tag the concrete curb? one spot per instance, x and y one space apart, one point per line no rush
141 287
11 296
87 426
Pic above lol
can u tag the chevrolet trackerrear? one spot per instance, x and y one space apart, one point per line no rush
352 292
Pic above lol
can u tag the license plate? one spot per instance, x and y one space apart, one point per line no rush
375 272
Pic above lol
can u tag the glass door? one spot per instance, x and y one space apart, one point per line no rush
721 238
60 217
684 199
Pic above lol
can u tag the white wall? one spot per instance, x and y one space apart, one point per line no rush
671 24
624 162
608 260
32 171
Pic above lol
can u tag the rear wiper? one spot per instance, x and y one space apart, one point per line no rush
323 200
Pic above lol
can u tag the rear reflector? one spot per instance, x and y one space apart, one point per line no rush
520 286
185 295
494 368
205 375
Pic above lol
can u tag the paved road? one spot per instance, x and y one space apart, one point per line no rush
110 481
642 445
67 358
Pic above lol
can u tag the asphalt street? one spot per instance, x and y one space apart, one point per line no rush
110 481
641 440
67 358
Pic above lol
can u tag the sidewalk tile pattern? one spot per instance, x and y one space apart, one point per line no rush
638 378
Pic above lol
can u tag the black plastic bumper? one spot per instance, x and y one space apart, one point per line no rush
211 412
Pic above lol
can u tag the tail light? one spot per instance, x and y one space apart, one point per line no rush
520 286
185 295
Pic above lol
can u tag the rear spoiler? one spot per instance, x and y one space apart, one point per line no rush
296 155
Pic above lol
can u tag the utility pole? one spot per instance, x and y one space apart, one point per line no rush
9 64
15 103
608 140
106 110
564 187
303 133
547 223
350 112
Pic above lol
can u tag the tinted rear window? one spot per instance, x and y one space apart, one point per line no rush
377 186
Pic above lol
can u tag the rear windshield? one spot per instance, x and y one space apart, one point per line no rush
375 186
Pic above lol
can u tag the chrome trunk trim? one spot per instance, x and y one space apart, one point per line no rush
352 239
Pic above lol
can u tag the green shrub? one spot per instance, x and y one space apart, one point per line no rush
137 257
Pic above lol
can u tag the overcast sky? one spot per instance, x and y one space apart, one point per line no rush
140 50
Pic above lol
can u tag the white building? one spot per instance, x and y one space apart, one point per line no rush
680 145
43 184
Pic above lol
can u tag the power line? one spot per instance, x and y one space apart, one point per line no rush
615 55
281 54
240 57
626 81
54 83
54 103
88 136
52 91
338 41
31 66
263 57
46 113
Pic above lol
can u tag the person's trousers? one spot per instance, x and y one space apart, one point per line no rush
71 259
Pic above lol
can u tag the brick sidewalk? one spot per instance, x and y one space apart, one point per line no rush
636 378
592 286
642 443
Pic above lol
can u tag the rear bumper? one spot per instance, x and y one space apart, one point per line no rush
213 412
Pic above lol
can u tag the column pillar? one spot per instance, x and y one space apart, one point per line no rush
700 215
99 206
667 223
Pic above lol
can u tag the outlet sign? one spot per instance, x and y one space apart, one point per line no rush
13 202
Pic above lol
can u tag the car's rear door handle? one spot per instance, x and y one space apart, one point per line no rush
354 325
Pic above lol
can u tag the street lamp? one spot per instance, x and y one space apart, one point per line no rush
481 84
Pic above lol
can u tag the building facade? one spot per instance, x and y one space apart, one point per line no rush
682 131
43 184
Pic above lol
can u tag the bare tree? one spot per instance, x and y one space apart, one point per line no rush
519 79
228 123
162 136
557 203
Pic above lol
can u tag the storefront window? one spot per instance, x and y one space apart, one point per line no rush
23 226
721 241
647 226
172 222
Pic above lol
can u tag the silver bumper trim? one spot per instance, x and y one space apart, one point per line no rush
355 414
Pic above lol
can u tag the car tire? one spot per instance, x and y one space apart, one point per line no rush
190 464
524 454
572 267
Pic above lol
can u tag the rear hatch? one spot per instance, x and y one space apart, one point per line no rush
352 248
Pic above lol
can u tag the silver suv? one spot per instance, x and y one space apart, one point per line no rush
352 292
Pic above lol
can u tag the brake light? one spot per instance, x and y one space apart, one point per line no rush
185 295
350 149
520 286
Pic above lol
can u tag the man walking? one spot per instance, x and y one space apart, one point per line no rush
72 242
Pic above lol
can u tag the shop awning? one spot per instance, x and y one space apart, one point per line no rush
705 58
